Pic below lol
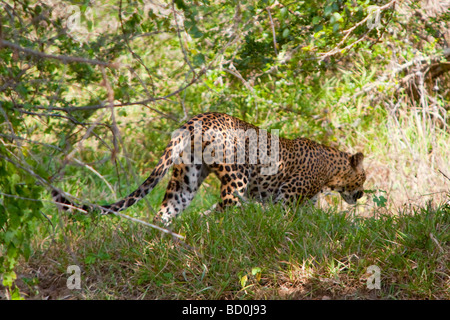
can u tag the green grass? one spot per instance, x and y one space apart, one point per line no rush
251 252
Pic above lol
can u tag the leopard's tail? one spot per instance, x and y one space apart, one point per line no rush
164 164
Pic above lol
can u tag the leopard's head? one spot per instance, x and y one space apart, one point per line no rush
351 181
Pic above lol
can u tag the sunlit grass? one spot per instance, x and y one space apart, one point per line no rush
255 251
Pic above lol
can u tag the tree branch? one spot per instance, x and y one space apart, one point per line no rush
273 31
63 59
348 32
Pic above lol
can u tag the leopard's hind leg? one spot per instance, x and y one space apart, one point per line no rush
182 187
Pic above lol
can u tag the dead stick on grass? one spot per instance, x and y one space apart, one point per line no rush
177 237
432 237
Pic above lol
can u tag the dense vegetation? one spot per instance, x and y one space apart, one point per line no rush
90 92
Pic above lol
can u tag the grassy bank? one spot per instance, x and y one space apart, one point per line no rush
251 252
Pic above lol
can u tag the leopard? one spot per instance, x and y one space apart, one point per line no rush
250 163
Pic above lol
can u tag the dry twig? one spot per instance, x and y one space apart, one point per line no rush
273 31
63 59
348 32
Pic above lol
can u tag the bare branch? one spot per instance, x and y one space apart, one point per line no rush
135 55
237 74
273 32
444 174
63 59
115 130
97 174
186 59
348 32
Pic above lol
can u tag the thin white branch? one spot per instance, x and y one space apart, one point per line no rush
273 32
96 173
179 236
63 59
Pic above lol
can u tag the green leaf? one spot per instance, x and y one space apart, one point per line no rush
319 34
257 273
3 217
336 27
198 59
12 253
20 88
336 17
180 4
8 278
90 259
195 32
15 294
380 201
9 236
243 281
256 270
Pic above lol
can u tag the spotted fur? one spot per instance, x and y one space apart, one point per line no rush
304 168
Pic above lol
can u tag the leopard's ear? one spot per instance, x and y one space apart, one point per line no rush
356 160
